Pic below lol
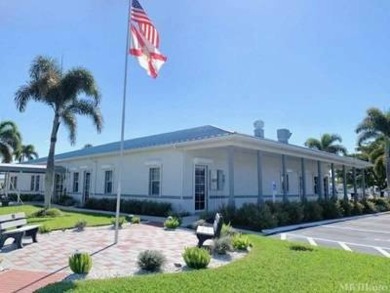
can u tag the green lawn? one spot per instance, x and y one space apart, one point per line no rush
68 219
270 267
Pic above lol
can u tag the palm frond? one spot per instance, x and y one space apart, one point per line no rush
70 122
313 143
88 108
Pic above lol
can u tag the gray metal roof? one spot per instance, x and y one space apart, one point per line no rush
186 135
25 168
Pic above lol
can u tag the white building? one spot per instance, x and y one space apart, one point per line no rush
201 168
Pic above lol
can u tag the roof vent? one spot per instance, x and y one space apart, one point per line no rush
259 131
283 135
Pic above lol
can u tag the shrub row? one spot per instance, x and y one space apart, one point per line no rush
142 207
270 215
26 197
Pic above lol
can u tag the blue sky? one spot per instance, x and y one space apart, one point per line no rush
311 66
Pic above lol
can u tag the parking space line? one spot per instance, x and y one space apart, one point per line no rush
384 252
311 241
345 246
283 236
355 229
335 241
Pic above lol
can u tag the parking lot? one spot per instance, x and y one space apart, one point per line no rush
369 234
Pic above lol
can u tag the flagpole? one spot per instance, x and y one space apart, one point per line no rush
120 165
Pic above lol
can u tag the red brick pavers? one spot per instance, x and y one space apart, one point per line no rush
26 281
51 252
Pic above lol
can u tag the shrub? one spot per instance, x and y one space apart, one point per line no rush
227 230
347 206
53 213
171 223
121 221
368 207
294 211
80 225
66 200
26 197
240 242
80 263
44 229
300 247
331 209
381 204
151 260
222 245
135 220
312 211
196 258
357 208
131 206
254 216
228 213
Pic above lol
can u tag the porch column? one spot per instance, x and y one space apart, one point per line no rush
284 178
333 181
231 175
354 184
319 180
260 177
364 182
345 183
303 171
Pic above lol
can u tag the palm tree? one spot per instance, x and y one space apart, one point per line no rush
61 91
327 144
376 125
10 140
26 152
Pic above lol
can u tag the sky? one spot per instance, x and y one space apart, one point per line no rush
313 67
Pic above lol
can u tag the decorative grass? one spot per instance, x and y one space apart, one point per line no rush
271 266
66 221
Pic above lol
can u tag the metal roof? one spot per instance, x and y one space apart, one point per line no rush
180 136
25 168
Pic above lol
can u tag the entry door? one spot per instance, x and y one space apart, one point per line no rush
200 187
87 184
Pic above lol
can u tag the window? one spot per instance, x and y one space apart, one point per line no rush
285 184
108 181
76 182
37 182
316 185
32 183
154 181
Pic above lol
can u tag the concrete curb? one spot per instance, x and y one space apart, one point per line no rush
268 232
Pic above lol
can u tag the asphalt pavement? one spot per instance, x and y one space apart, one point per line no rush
363 235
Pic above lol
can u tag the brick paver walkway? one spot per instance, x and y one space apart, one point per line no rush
49 257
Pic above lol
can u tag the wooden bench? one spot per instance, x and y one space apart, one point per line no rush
15 226
206 232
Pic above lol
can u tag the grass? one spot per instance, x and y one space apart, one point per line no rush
67 220
271 266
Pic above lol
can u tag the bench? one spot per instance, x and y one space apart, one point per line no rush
206 232
15 226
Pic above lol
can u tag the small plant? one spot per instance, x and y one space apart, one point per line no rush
80 225
171 223
44 229
135 220
151 260
368 207
240 242
196 258
299 247
121 221
228 230
80 263
52 213
222 245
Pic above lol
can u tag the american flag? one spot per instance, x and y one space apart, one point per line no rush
145 25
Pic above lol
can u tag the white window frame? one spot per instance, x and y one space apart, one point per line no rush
108 181
37 181
151 180
74 189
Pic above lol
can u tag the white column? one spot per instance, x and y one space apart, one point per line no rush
284 185
231 175
260 177
345 183
320 183
333 181
303 171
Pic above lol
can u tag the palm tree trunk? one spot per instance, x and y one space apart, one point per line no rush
49 176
